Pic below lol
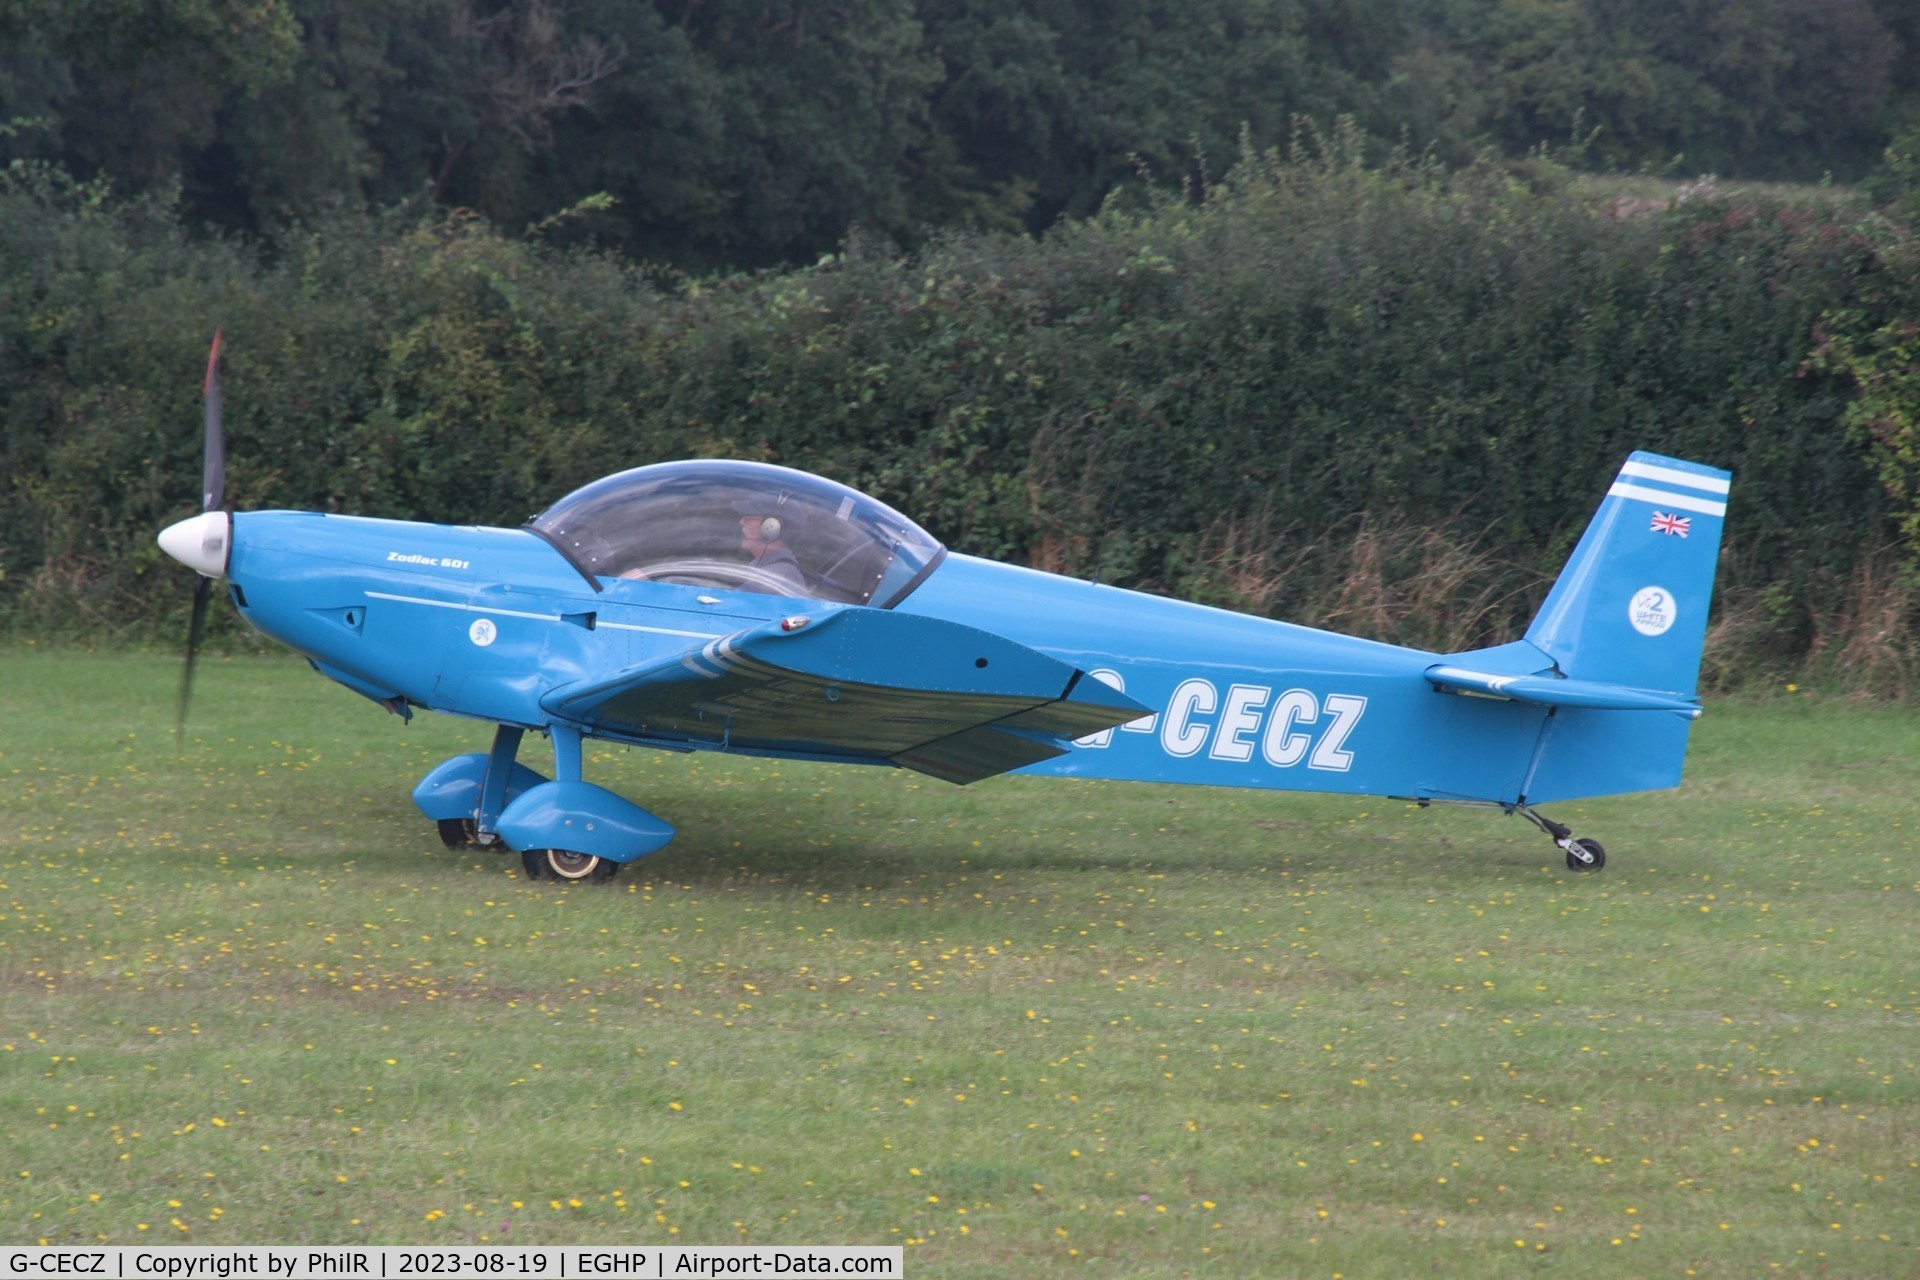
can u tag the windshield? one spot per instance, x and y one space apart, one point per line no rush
741 525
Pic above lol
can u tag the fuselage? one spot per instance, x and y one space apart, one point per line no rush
483 622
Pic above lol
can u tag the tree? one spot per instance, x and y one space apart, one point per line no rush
132 89
526 70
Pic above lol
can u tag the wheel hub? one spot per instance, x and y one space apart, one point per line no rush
568 865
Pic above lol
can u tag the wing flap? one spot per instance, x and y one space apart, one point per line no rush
858 684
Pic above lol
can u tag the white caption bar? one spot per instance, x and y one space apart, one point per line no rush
465 1262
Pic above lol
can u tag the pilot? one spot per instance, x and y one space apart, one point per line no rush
765 523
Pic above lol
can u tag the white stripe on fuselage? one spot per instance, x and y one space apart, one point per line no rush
661 631
541 617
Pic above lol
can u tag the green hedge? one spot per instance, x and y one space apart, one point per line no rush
1386 397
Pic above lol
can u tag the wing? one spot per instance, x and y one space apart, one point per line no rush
858 684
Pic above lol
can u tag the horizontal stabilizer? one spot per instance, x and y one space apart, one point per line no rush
1552 691
849 683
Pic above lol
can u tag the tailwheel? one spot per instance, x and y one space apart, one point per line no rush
565 864
1582 855
1586 854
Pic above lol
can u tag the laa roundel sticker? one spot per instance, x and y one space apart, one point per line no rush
1651 611
483 631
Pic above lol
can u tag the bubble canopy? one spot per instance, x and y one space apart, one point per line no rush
710 523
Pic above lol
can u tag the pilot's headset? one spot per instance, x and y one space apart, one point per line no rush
770 526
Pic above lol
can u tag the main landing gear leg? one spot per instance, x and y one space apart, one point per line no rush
493 792
476 830
1582 855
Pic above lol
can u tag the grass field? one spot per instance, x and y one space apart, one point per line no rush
1022 1027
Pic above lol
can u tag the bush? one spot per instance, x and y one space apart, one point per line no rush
1319 388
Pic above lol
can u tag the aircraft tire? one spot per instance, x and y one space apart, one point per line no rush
458 833
1593 847
578 868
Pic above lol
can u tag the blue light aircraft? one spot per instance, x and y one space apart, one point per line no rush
746 608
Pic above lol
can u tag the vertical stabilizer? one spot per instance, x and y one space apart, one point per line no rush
1631 606
1622 630
1630 613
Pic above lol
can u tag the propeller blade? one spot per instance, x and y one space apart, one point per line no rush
202 590
213 492
213 473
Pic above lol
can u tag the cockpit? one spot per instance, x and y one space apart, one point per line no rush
745 526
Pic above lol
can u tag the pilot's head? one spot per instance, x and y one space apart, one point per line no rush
765 519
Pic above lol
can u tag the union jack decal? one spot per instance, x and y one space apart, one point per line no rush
1679 526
